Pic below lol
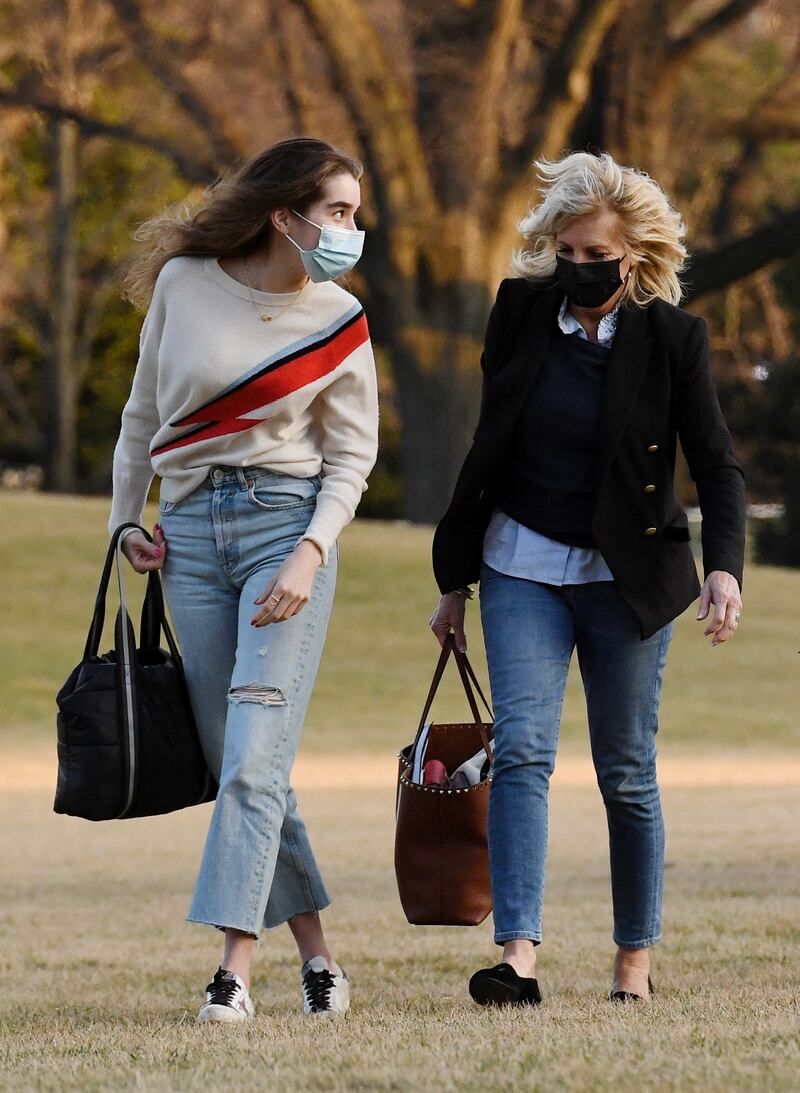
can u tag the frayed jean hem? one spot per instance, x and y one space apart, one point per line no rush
314 909
221 926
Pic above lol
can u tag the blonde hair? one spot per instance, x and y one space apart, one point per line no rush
581 184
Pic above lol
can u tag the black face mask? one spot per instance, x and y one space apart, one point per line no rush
589 284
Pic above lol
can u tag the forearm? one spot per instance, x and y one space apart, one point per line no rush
132 470
721 494
130 490
349 431
706 443
336 505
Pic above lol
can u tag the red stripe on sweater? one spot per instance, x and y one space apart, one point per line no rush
223 416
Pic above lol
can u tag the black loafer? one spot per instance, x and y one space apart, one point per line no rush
501 986
629 996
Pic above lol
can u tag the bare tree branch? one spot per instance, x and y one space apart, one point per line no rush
490 89
778 318
564 91
363 75
29 210
713 270
765 128
291 50
157 60
754 132
681 49
192 170
103 285
732 179
18 407
676 54
566 83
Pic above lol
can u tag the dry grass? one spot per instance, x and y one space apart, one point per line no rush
102 976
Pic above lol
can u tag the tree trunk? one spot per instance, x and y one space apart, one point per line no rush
620 116
60 455
436 339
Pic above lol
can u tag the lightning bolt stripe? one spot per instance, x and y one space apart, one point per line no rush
311 359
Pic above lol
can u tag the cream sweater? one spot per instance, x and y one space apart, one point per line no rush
215 385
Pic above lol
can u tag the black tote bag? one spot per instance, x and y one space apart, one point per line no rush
127 740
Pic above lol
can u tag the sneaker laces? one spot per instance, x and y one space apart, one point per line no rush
318 987
222 988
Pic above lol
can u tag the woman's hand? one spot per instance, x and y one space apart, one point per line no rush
449 615
289 590
142 554
722 590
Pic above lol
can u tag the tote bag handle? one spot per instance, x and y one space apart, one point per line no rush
153 619
468 678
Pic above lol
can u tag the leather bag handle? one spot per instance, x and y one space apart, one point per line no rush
468 677
465 667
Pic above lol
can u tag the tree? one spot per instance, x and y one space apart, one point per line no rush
770 421
67 268
448 104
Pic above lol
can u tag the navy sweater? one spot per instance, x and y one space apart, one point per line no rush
547 482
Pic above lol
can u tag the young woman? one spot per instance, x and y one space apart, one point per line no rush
255 401
565 510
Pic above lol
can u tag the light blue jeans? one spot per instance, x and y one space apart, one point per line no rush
530 630
249 687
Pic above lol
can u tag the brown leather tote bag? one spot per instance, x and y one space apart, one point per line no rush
441 855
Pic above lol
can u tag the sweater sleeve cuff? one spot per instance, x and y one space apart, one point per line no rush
323 547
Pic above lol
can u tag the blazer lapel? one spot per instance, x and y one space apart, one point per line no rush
625 367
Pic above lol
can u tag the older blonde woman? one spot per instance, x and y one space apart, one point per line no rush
565 511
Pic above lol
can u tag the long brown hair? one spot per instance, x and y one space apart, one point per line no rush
233 215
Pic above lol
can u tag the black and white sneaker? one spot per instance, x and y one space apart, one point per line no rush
227 999
326 988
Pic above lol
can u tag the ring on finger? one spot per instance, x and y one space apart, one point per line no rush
736 618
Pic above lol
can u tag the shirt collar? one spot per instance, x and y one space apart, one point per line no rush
605 331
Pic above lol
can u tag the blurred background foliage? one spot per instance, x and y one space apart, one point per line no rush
112 109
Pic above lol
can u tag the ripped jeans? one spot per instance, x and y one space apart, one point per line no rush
249 687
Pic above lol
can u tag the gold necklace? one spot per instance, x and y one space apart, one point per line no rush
279 307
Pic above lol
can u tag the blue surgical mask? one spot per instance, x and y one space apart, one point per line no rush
336 253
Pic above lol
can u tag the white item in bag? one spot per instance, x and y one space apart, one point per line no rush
470 772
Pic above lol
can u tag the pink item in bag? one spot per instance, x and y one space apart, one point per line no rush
434 773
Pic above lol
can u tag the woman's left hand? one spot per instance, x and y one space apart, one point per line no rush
289 590
722 591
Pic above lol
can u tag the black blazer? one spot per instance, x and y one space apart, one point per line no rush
658 388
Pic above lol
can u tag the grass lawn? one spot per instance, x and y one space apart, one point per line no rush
380 654
103 977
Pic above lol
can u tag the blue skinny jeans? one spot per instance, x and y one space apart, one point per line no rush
530 630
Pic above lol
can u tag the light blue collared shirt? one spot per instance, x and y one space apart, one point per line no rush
511 548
